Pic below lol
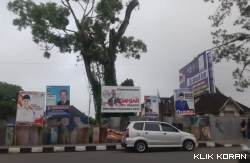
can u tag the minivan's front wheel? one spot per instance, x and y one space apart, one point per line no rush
140 146
188 145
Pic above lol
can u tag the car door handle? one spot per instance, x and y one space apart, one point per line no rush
146 133
165 133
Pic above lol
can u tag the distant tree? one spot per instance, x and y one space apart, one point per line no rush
233 46
92 121
98 38
128 82
8 100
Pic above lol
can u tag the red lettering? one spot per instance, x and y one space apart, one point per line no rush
131 100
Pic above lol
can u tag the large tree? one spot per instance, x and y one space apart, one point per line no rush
98 38
233 46
8 100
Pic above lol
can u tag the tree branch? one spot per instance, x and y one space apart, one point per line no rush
125 22
85 9
93 2
81 5
73 13
70 30
241 38
64 4
85 36
219 6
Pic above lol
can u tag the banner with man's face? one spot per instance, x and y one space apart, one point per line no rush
121 99
151 106
57 101
30 108
184 102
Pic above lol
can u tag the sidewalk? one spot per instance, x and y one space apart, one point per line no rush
105 147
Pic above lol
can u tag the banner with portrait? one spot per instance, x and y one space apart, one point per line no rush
121 99
151 106
57 101
184 102
199 75
30 108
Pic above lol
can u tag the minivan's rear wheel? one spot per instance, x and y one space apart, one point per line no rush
140 146
188 145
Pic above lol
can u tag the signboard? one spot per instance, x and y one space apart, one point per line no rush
198 75
30 108
121 99
57 101
151 106
184 102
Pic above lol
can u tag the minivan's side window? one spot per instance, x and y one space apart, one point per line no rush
152 127
168 128
138 126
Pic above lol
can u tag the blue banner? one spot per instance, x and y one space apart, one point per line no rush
198 75
58 101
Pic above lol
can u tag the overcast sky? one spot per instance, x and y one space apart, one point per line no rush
175 32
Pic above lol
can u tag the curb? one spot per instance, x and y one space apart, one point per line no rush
94 148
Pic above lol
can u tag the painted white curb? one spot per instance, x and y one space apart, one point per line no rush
80 148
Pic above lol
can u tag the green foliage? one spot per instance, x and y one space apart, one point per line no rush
96 39
128 82
92 121
233 46
131 48
8 100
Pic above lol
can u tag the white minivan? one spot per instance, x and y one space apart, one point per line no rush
141 135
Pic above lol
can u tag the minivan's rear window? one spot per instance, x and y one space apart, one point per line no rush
138 126
127 124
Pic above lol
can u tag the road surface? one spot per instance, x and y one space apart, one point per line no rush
121 156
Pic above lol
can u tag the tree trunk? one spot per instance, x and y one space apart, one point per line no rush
95 85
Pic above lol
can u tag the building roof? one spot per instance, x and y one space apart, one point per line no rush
213 103
74 112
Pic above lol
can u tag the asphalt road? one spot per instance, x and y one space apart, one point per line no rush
122 156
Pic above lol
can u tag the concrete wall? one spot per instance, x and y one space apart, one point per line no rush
225 128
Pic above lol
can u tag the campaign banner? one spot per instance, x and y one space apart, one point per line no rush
121 99
30 108
198 75
151 106
184 102
57 101
115 135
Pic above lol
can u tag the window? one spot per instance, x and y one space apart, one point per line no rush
152 127
124 129
138 126
168 128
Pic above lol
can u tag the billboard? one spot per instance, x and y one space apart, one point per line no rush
151 106
199 75
121 99
184 102
57 101
30 108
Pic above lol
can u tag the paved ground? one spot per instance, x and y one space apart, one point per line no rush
120 156
242 141
223 142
